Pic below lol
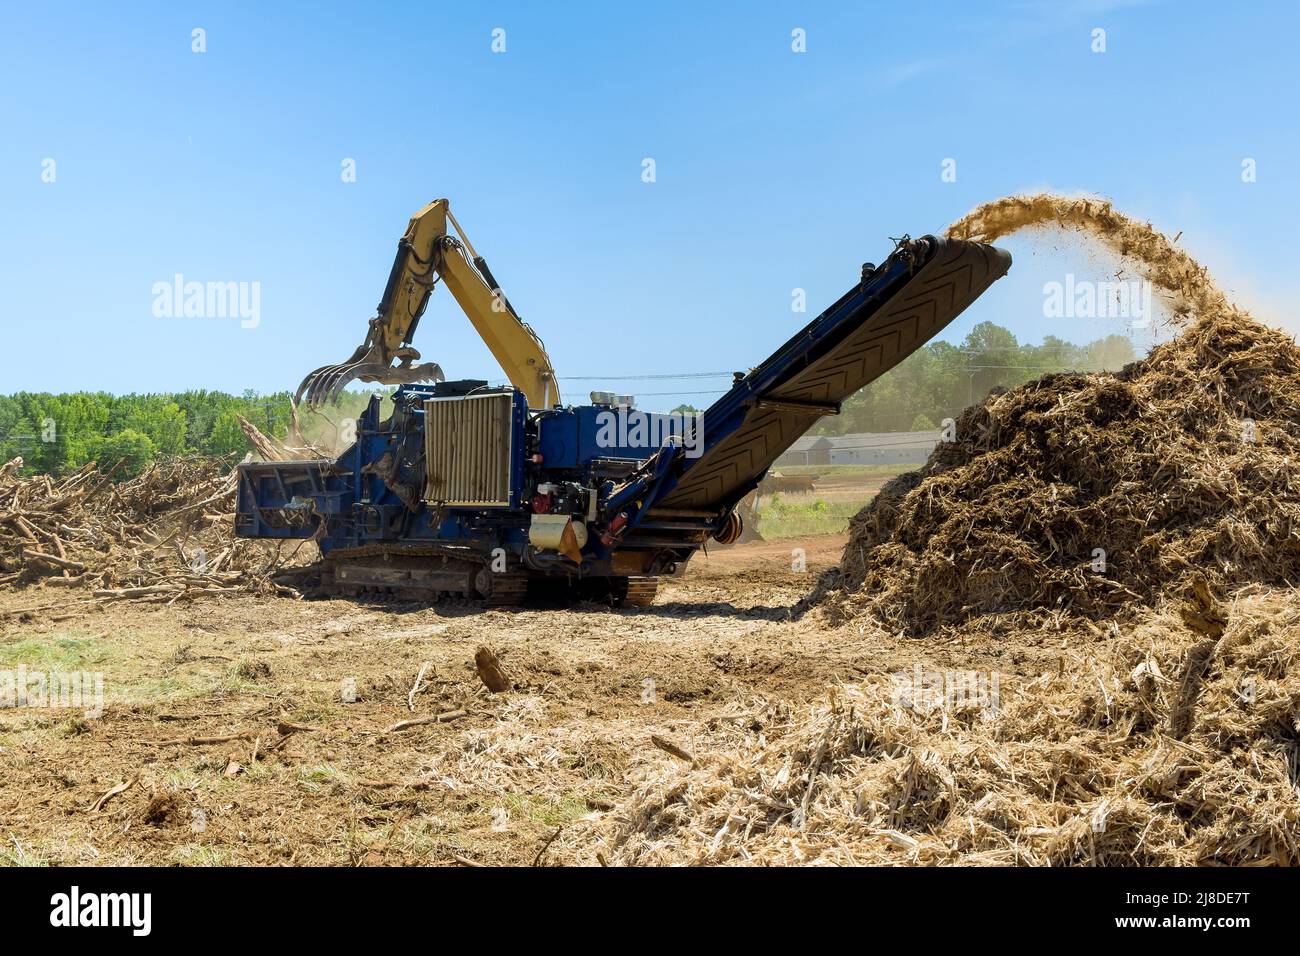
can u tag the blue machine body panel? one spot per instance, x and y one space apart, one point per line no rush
572 438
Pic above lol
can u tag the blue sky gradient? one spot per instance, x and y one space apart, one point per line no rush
775 170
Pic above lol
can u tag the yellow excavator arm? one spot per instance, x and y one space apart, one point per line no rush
425 254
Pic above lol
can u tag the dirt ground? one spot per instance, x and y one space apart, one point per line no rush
591 685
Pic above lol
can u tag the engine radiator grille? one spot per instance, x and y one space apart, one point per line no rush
467 450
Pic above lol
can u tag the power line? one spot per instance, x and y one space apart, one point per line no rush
1067 347
630 378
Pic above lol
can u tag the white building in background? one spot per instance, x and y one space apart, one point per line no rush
868 448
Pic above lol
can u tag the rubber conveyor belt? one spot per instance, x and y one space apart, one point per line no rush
923 286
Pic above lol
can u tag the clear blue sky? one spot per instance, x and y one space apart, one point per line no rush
775 170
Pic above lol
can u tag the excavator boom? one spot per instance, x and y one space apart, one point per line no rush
426 253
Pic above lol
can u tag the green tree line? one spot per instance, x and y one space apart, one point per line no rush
59 433
55 434
941 379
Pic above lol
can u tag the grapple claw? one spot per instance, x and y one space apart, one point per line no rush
326 383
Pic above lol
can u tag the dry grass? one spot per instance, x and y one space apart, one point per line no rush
1077 767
